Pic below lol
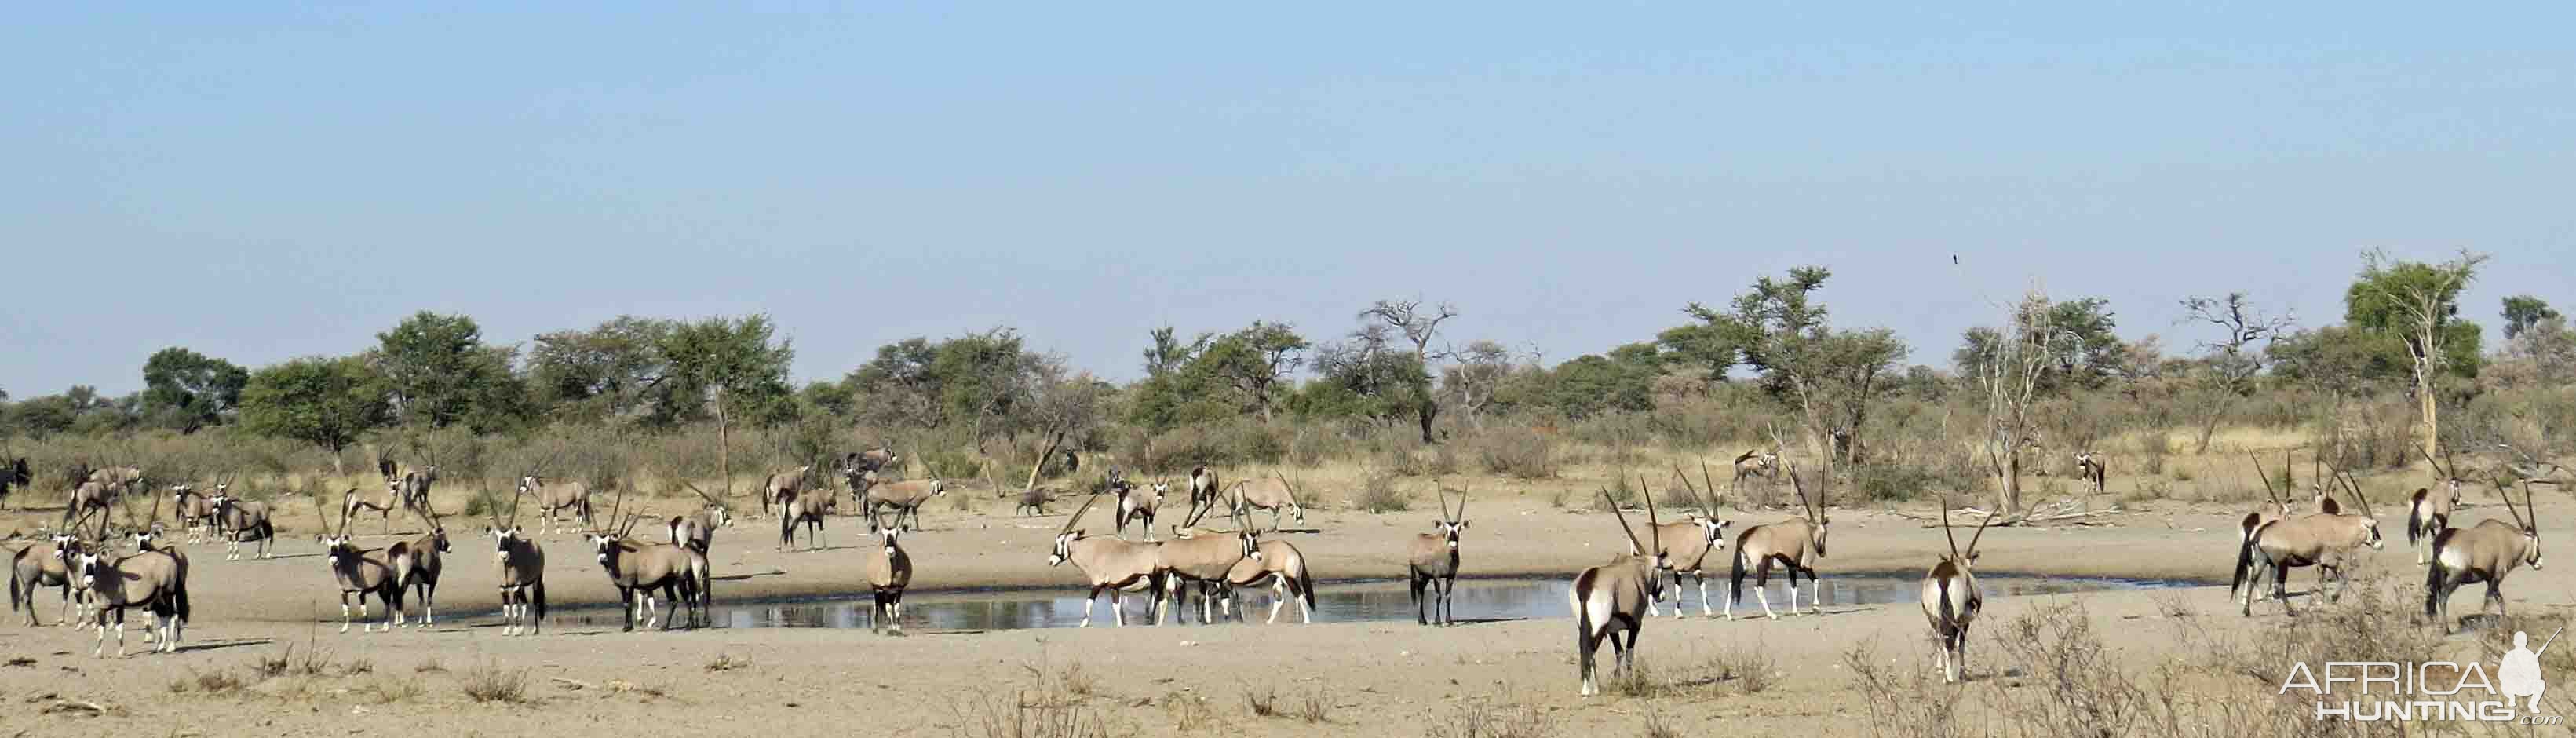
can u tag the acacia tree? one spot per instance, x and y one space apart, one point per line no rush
1830 377
1253 361
2012 370
1419 326
2419 303
325 402
1472 383
607 372
725 366
439 373
1066 405
2230 362
2521 312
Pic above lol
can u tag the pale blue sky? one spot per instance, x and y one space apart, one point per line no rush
264 184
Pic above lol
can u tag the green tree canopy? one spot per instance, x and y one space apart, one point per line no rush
439 373
187 390
322 401
734 365
607 372
2521 312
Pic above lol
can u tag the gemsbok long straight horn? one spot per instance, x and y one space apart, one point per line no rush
519 565
1611 600
637 569
1687 544
1951 600
2323 540
2429 512
1108 564
240 521
362 573
2483 553
1794 544
1432 561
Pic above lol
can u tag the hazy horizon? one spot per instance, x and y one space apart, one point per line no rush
261 184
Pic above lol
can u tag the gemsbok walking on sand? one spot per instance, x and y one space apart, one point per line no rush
1107 564
1431 562
783 487
1271 494
2429 512
2483 553
889 571
904 496
519 565
1951 600
566 495
808 507
1610 600
1795 544
2323 540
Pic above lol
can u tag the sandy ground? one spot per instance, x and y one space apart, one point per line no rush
1375 677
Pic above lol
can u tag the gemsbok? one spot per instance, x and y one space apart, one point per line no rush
698 530
1200 560
1687 544
519 564
2097 476
240 521
1610 600
784 487
419 565
808 507
362 573
558 496
2483 553
1108 564
196 511
46 563
152 580
1204 492
634 568
1271 494
2323 540
1136 504
1795 544
2429 512
1431 562
1757 463
1951 600
889 571
1281 566
904 496
90 497
352 503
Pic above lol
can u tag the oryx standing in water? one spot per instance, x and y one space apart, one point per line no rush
1795 544
1108 564
1432 562
1951 600
1611 600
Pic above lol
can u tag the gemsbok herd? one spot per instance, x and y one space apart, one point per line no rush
1611 602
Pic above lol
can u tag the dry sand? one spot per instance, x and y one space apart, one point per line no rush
1373 677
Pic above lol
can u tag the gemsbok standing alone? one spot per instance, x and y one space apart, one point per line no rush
1136 504
1610 600
1795 544
637 568
152 580
2484 553
559 496
1951 600
1271 494
1687 544
1431 562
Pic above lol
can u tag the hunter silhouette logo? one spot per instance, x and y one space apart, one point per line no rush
2518 676
2388 691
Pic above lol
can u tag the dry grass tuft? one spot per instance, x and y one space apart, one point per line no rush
491 683
728 662
1481 719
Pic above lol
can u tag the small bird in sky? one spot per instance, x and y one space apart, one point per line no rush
1954 258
